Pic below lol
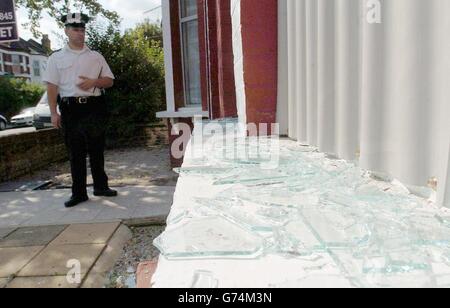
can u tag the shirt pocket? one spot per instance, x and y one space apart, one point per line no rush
91 68
65 70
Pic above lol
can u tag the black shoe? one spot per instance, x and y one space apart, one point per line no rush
74 201
105 193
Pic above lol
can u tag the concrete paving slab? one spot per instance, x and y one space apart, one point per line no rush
3 282
53 260
86 234
158 210
42 208
113 251
13 260
31 236
111 209
5 232
95 281
84 213
47 217
55 282
97 277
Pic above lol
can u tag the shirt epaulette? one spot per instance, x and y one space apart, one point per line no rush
55 51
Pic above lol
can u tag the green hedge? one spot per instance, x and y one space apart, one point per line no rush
137 61
17 94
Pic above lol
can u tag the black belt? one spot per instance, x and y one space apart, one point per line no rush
80 100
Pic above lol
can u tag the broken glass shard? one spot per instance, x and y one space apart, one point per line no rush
279 197
249 215
397 280
296 238
444 220
396 262
254 176
336 228
204 280
204 170
430 230
211 237
316 281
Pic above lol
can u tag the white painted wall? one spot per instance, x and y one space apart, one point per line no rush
378 89
283 66
238 60
43 67
168 61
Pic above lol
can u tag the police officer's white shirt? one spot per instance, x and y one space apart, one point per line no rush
66 66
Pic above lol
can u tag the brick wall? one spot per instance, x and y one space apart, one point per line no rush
145 136
178 162
25 153
216 58
255 44
29 152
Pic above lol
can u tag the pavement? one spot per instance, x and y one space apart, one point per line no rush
39 237
60 256
16 131
45 208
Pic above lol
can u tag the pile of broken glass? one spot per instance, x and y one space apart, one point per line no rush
284 198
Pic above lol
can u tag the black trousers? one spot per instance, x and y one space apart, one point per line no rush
84 133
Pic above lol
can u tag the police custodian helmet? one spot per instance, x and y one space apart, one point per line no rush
75 20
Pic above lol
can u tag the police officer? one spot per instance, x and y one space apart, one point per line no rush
75 79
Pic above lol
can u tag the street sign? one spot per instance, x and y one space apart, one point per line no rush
8 22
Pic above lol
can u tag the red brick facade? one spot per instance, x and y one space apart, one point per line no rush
216 61
11 68
217 58
177 54
174 161
259 22
260 52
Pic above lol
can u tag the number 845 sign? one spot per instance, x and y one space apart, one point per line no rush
8 22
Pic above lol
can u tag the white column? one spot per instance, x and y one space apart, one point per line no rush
168 61
348 83
374 56
406 90
326 76
283 79
300 27
311 70
440 126
291 5
444 182
238 62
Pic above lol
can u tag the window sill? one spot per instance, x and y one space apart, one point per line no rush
187 112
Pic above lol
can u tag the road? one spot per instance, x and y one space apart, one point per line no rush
17 131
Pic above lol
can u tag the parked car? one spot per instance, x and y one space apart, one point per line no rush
3 122
24 119
42 117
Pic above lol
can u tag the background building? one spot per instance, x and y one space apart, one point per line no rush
25 59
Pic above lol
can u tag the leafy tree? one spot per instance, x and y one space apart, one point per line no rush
17 94
137 61
57 8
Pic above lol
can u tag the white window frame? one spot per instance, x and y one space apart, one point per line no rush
182 21
36 66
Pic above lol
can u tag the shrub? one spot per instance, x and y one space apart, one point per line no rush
137 61
17 94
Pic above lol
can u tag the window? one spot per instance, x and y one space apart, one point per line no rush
36 68
190 51
16 59
17 64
